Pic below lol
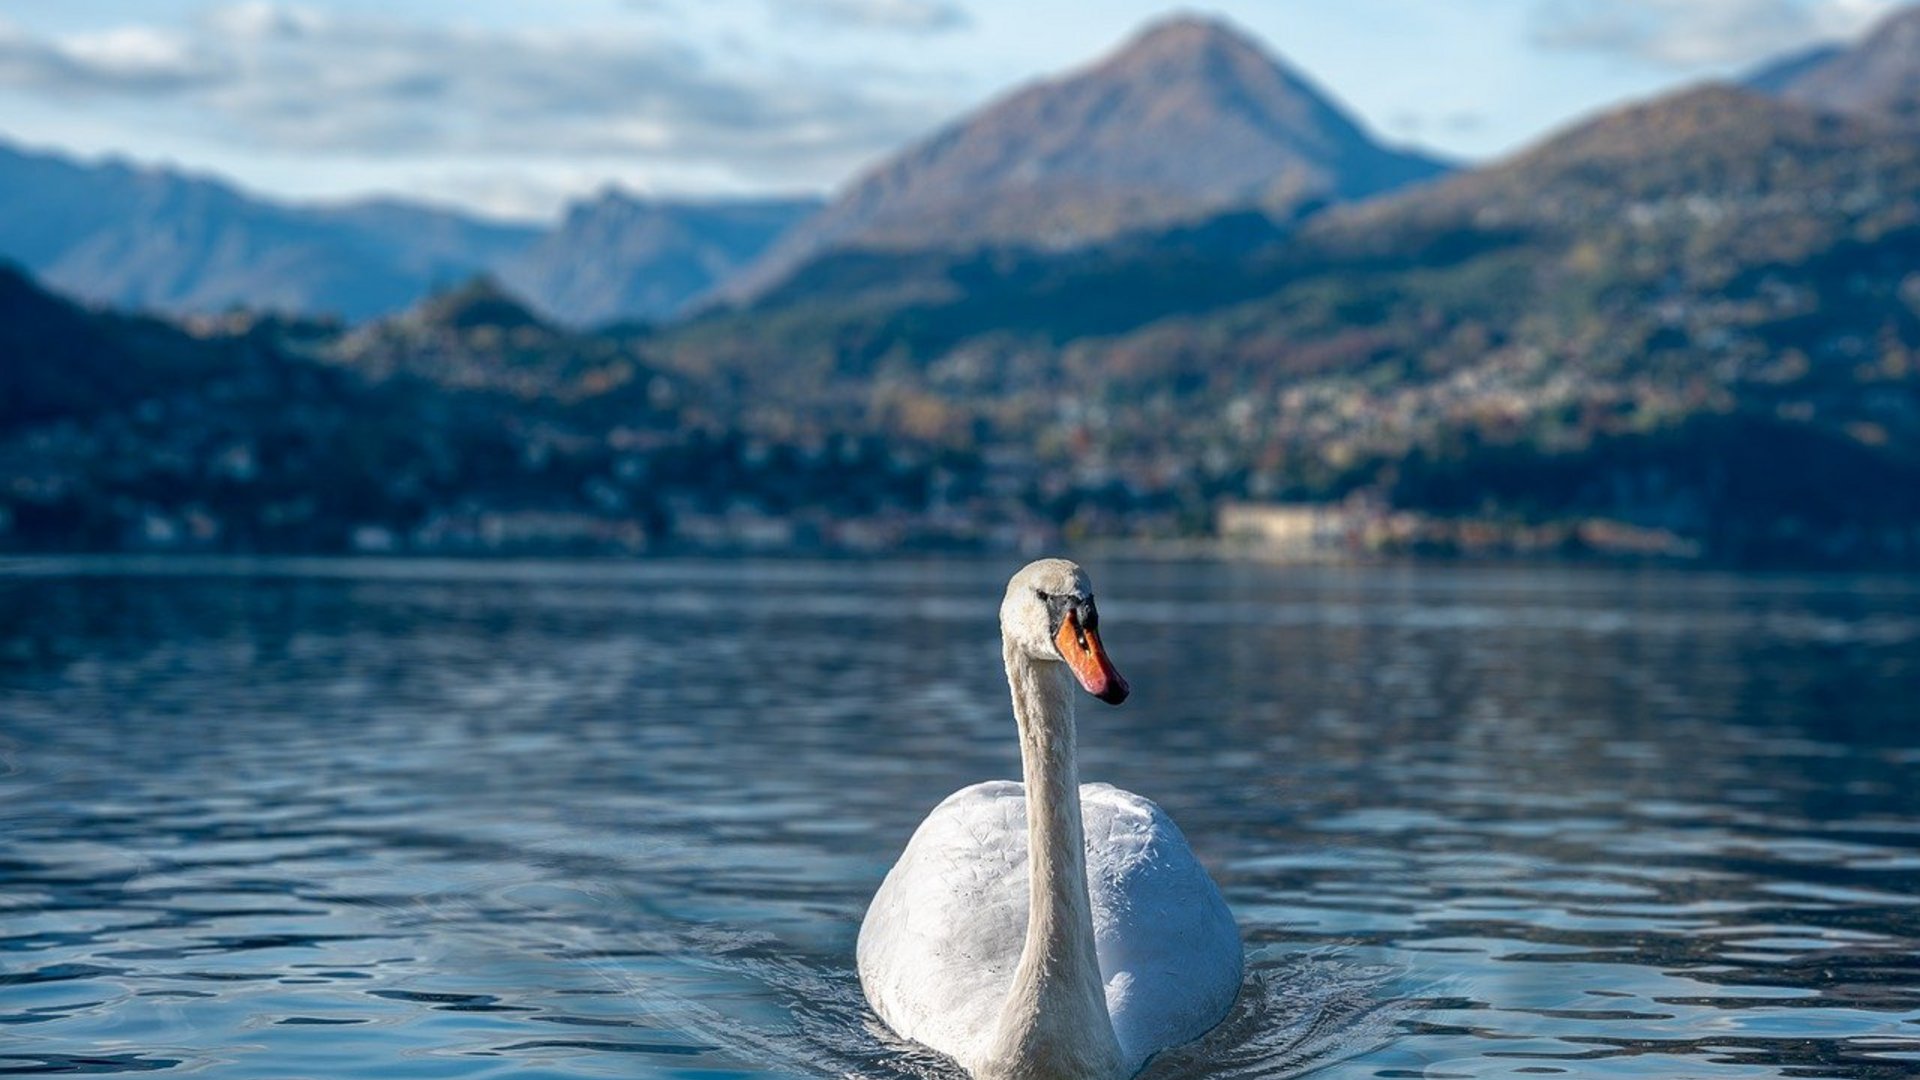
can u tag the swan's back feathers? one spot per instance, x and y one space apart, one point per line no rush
944 933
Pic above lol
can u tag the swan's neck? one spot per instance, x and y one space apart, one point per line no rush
1055 1021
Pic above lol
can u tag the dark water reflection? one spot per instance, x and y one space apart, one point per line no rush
383 820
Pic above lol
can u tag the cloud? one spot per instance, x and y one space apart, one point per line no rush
130 60
303 81
905 16
1697 34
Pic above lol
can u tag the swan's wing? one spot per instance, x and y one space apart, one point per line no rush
1169 950
943 935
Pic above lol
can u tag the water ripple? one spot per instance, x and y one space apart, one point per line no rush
470 819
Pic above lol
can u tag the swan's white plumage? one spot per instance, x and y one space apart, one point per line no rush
944 934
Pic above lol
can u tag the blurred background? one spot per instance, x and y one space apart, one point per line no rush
1511 277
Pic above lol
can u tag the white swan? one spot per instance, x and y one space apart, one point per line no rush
1045 929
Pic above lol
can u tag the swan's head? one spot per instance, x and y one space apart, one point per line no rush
1048 614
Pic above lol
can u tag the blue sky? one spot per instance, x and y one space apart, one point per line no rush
514 107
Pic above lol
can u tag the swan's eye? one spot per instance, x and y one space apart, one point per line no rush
1042 594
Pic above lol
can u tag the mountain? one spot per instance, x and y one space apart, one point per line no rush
1706 164
1775 76
1879 75
461 427
154 239
58 359
1689 327
475 336
1693 316
479 302
1188 119
620 257
1712 176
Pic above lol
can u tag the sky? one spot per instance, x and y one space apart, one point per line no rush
512 108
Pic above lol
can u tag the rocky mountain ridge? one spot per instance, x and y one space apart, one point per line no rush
156 239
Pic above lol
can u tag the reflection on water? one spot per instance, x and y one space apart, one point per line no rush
419 819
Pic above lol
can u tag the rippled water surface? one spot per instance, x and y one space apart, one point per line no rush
469 819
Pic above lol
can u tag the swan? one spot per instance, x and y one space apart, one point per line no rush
1049 929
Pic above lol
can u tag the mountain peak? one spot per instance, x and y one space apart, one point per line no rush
1191 54
622 255
1903 21
1187 119
479 302
1188 34
1877 76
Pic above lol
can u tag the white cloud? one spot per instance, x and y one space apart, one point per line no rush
1691 35
908 16
293 80
129 60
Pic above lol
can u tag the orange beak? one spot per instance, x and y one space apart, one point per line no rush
1080 647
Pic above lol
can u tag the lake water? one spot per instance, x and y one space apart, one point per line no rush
394 820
